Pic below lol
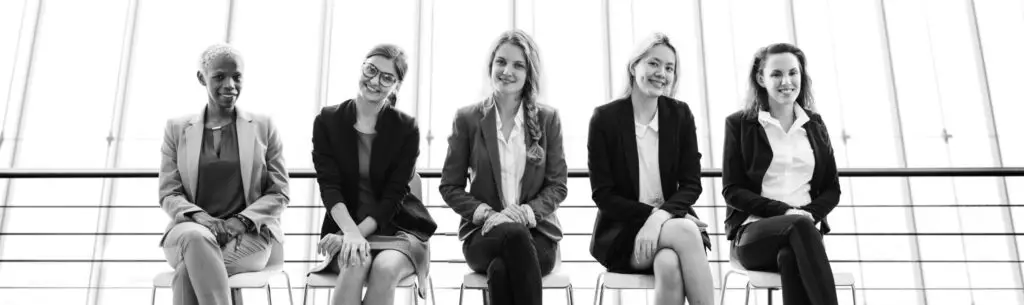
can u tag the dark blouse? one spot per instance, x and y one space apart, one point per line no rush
219 189
365 147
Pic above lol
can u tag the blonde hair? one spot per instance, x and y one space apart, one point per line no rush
531 89
654 40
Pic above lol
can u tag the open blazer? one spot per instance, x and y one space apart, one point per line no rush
614 170
264 177
747 155
473 154
395 148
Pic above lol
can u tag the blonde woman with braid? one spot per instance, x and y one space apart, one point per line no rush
513 147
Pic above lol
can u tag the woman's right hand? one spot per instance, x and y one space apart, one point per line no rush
646 241
216 225
352 249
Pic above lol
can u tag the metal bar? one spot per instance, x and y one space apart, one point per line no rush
23 173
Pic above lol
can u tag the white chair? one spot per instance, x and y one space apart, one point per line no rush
328 280
773 281
554 280
257 279
619 281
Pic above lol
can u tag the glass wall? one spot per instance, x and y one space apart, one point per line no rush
900 83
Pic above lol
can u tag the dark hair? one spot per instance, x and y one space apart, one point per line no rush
654 40
397 55
757 95
531 88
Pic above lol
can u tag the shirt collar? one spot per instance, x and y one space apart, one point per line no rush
517 120
641 129
766 118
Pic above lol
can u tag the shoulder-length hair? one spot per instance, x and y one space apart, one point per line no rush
757 95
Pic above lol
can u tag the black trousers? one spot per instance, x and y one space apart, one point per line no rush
514 259
791 246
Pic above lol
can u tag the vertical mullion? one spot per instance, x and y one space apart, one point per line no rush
901 149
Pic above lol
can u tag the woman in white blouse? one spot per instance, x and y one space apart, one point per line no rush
509 146
780 179
645 176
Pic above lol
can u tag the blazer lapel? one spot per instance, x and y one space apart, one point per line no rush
246 144
193 145
490 134
668 146
628 138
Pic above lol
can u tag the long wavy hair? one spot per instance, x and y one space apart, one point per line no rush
531 89
396 55
757 95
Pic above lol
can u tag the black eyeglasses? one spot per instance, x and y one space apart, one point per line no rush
386 79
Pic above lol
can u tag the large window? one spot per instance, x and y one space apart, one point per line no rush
899 83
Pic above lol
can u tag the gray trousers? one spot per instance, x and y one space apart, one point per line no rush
201 267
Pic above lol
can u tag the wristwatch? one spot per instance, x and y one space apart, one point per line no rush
249 225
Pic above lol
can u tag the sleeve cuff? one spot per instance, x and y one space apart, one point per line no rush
480 215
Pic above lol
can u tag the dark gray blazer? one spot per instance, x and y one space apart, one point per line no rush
473 147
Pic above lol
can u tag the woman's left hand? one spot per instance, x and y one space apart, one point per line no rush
700 224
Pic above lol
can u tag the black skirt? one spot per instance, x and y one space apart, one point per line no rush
619 258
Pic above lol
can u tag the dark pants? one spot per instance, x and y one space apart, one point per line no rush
514 259
791 246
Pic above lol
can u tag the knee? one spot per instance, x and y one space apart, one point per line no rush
386 268
803 223
344 268
197 234
785 257
514 233
666 265
496 268
682 229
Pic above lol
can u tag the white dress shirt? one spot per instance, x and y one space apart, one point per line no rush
789 175
647 161
512 153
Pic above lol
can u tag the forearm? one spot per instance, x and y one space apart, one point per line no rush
343 219
367 226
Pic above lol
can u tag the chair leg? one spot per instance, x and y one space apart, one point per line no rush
572 298
433 300
725 282
853 292
236 296
154 296
462 290
599 290
288 281
748 294
305 293
412 294
270 300
487 296
770 290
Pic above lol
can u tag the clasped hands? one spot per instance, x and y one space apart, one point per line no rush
223 230
802 212
352 248
647 238
520 214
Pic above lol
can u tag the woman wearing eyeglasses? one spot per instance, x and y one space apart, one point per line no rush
364 150
510 148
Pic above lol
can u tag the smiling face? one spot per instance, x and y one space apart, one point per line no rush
222 78
781 77
655 73
508 70
378 79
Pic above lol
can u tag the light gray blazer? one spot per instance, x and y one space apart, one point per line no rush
264 179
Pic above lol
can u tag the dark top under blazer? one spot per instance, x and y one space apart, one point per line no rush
747 155
473 147
395 148
614 170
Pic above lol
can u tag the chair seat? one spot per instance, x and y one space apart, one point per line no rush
762 279
328 280
479 281
628 281
257 279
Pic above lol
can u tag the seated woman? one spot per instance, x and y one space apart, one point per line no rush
645 182
510 148
779 178
224 185
364 150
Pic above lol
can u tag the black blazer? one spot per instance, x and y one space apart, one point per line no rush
747 155
614 169
395 148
